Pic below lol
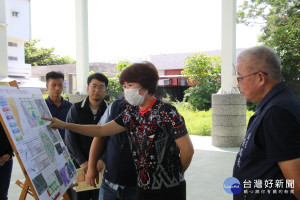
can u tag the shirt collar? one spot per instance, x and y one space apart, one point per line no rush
275 90
49 101
86 104
64 102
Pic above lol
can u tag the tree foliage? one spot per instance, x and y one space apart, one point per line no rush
205 71
280 30
114 86
43 56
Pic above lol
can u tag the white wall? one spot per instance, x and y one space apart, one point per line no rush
18 27
18 31
3 40
16 51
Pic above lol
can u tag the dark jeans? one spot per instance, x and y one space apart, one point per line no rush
174 193
5 175
85 195
107 193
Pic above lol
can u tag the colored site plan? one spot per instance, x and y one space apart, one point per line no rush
41 149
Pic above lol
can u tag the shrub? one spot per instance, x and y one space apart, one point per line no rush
251 106
205 71
114 87
200 95
197 122
64 95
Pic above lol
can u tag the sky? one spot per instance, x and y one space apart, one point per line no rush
135 29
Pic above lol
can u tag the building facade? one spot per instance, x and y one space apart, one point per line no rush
18 31
69 71
17 14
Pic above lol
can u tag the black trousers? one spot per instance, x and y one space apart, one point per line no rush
5 175
174 193
85 195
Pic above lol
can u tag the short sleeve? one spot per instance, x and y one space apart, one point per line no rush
105 117
281 135
175 123
119 119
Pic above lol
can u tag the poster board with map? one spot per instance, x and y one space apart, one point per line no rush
41 149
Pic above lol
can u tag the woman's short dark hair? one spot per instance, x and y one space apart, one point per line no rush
54 75
99 76
144 73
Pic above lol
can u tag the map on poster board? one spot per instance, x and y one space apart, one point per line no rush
41 149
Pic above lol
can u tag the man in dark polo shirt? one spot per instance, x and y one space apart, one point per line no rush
57 105
268 163
119 178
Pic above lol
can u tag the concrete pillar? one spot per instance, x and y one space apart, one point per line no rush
228 106
74 98
3 41
228 120
228 51
82 47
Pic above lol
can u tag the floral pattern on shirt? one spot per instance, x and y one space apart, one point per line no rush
152 135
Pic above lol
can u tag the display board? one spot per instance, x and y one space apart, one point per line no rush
42 152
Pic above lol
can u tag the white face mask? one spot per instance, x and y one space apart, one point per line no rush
133 96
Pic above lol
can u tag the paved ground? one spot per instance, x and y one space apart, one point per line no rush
205 176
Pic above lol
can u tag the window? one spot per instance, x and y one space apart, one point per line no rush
15 13
12 44
12 58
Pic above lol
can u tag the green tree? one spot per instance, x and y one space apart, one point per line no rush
114 86
280 22
206 71
43 56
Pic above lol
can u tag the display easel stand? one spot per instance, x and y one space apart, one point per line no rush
27 187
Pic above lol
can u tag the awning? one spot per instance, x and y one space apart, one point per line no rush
5 80
24 82
31 83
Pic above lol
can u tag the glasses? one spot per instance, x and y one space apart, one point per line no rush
99 87
239 79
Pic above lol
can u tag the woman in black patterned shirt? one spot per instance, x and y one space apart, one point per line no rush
160 144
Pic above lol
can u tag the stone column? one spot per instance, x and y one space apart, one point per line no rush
228 120
82 47
228 106
74 98
3 41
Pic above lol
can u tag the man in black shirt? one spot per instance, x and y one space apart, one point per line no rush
268 163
